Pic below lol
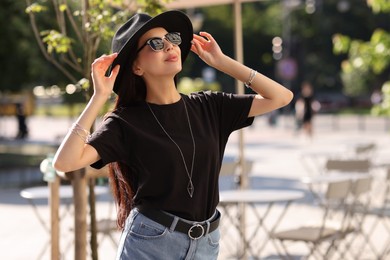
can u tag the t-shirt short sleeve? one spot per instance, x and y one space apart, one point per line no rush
224 112
108 141
236 107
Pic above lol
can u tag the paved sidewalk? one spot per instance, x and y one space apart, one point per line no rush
277 153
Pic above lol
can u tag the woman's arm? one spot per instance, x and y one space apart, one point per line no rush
271 95
73 153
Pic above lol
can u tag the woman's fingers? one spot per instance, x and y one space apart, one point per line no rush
195 46
114 72
104 60
102 83
207 35
203 37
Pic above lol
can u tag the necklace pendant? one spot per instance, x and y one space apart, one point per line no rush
190 188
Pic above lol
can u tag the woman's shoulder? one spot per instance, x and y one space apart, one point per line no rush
123 112
206 95
218 96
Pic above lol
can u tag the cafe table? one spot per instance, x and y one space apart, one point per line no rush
231 204
35 194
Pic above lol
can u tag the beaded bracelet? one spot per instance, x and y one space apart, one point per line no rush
81 132
251 78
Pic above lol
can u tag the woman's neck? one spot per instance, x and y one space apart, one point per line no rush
161 95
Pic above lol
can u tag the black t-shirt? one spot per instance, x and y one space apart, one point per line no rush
133 136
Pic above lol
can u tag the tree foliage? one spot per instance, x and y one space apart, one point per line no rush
81 31
383 108
368 62
310 44
307 38
21 63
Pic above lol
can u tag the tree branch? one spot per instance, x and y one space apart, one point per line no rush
44 50
60 21
72 21
71 64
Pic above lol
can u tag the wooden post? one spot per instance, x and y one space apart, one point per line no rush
54 202
79 183
91 175
92 212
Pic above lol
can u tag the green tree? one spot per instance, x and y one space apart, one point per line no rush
81 31
367 65
310 37
21 63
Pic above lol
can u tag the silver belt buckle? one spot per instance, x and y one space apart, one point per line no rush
196 225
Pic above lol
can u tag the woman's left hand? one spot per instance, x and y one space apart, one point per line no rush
205 46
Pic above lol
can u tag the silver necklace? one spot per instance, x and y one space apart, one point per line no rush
190 185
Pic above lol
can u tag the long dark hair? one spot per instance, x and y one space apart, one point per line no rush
122 177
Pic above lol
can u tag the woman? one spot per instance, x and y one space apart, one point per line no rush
305 108
164 148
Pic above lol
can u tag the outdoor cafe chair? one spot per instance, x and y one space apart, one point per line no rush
347 165
323 237
365 150
335 170
230 172
359 203
230 168
324 162
381 212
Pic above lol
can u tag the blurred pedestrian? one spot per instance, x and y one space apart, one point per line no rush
305 108
164 148
21 118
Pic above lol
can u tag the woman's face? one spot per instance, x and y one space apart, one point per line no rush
150 63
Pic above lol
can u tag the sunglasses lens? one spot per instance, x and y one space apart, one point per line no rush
156 44
174 38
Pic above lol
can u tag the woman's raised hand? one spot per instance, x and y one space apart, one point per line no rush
104 85
205 46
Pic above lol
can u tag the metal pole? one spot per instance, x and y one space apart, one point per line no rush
238 40
239 85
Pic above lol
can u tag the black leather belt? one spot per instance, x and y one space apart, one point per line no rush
194 230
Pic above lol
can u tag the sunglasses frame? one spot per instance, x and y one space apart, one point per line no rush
162 39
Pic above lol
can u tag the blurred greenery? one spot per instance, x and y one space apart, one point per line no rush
368 62
66 110
27 155
20 160
22 65
310 38
60 110
187 85
383 108
354 111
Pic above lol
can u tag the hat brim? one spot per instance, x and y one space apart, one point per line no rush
172 21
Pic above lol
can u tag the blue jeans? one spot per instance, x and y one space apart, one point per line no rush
144 239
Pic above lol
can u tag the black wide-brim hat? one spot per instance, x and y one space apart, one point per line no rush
125 40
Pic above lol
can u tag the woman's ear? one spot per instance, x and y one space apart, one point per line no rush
137 70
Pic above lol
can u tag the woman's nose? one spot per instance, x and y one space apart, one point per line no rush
167 45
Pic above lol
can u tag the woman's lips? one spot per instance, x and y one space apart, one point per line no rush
172 58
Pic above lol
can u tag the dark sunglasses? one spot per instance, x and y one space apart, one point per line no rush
157 43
